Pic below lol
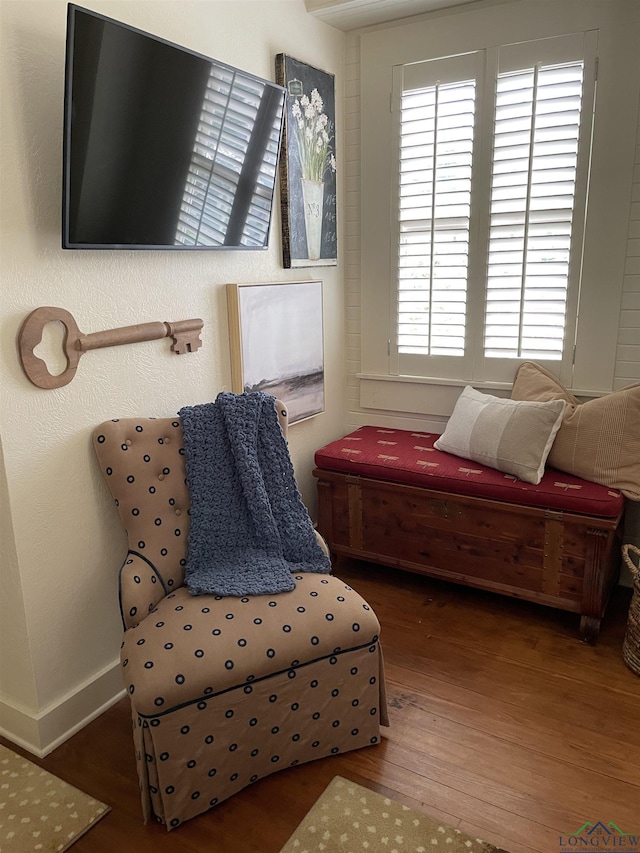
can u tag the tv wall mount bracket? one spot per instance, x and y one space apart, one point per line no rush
185 334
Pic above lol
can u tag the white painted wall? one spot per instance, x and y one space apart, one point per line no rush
62 543
628 352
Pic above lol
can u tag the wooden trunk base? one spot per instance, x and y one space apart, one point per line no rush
564 560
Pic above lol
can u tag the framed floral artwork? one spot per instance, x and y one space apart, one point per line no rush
276 338
308 165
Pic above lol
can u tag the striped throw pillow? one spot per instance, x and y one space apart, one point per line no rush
514 437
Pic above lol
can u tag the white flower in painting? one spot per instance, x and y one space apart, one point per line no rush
314 133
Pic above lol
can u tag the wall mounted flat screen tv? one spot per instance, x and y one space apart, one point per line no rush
163 148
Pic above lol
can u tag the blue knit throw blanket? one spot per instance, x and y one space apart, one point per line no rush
249 527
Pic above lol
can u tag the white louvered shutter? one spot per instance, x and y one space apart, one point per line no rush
537 128
433 207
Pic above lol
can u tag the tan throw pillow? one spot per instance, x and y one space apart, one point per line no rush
504 434
598 440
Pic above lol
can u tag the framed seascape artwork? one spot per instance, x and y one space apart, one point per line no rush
308 165
277 344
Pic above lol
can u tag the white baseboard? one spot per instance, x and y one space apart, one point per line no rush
19 726
42 732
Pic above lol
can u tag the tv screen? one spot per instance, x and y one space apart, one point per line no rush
163 148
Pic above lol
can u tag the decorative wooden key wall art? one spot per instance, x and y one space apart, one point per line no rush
185 334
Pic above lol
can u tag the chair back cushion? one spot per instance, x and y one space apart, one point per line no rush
142 460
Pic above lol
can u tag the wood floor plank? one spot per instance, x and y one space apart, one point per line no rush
503 725
569 701
475 763
438 798
491 714
501 626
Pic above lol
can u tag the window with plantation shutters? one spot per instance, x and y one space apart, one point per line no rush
491 168
225 202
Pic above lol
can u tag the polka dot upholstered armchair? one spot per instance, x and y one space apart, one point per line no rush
225 690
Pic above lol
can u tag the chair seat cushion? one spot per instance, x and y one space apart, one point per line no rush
191 648
402 456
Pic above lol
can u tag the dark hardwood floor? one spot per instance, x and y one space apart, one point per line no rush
503 724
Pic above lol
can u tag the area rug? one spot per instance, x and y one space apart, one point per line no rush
38 811
349 818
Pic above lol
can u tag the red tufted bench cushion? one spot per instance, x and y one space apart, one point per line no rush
402 456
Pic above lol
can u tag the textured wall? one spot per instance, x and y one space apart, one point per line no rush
628 352
67 543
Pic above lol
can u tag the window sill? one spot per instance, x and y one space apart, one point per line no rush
426 395
433 380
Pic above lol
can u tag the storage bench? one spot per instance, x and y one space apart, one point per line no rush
389 496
